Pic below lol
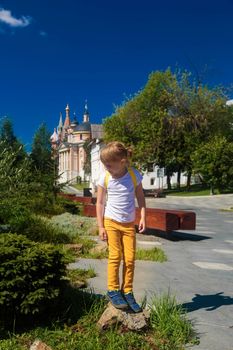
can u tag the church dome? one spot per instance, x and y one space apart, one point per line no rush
85 126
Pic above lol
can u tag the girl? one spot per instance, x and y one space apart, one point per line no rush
116 214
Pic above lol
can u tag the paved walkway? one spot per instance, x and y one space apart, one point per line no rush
199 270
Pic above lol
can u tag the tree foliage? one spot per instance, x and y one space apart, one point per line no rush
87 161
41 151
167 120
14 175
44 165
10 141
214 160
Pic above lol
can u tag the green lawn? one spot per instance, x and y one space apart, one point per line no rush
195 190
183 193
81 186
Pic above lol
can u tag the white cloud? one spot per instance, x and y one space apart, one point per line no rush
229 103
43 33
7 18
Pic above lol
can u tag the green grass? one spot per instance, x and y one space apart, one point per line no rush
80 275
227 209
87 245
96 255
168 329
81 186
195 190
71 255
204 192
155 254
172 330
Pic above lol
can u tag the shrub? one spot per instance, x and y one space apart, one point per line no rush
68 205
37 228
40 229
47 204
10 210
31 276
75 225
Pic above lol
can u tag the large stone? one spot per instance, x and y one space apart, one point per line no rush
129 320
100 247
39 345
76 247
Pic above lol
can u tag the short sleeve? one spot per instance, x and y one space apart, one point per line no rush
138 175
101 181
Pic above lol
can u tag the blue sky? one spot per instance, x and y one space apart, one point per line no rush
55 52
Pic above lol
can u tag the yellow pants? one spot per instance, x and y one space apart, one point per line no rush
121 244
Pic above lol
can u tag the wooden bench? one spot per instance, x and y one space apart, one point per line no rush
160 219
79 199
186 219
167 220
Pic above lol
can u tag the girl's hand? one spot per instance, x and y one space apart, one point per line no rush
103 234
142 226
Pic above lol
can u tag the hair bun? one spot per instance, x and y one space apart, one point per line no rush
129 152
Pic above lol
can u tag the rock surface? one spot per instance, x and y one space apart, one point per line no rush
128 319
76 247
39 345
100 247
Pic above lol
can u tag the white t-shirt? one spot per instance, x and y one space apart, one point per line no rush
120 204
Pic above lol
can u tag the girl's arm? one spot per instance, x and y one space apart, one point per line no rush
100 204
142 205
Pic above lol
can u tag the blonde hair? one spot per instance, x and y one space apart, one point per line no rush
115 151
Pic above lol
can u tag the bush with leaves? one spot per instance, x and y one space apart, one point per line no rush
168 119
214 161
21 220
31 276
14 176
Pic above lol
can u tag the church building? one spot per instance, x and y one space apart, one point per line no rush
67 143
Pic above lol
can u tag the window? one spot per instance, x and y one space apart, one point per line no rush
81 136
150 167
152 181
160 172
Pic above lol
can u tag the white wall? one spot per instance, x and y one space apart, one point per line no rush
97 167
156 179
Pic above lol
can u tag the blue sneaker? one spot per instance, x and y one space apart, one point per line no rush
129 298
117 300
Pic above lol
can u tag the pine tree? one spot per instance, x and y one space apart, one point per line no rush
41 150
9 140
43 164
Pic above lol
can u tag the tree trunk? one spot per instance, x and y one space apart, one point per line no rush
211 190
189 180
178 178
169 181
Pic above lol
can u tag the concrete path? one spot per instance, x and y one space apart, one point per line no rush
199 270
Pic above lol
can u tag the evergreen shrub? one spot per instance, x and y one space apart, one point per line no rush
31 276
48 205
21 220
45 204
40 229
68 205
